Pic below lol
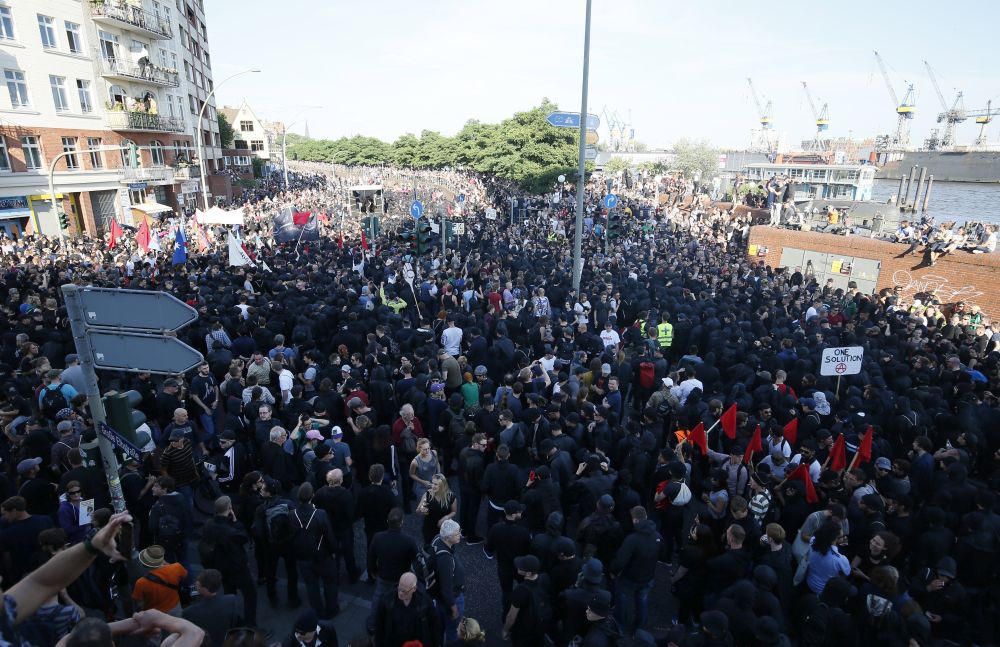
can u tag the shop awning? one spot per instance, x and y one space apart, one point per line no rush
151 207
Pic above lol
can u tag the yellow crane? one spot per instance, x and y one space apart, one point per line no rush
905 109
822 118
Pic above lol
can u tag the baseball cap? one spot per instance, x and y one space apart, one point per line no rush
346 368
667 381
437 388
313 434
227 434
336 432
605 368
808 402
883 463
606 502
565 546
176 434
27 464
527 563
600 604
592 571
65 425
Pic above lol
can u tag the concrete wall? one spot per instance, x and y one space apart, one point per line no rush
961 276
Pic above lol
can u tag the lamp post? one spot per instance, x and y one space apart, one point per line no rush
199 137
582 182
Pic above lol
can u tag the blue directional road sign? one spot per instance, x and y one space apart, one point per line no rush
135 309
461 198
416 209
136 352
610 201
119 441
572 120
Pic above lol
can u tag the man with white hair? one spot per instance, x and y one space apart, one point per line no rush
278 463
450 593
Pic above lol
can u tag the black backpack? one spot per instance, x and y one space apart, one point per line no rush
302 543
168 526
541 608
278 524
53 401
425 568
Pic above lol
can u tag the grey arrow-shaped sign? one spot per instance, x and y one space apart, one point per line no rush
135 309
136 353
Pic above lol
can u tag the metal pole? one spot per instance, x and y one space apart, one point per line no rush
284 155
444 235
927 193
582 181
200 136
900 200
77 321
909 185
920 183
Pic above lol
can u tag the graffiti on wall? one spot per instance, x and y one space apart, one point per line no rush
939 286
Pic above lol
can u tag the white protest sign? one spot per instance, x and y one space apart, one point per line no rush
845 360
491 214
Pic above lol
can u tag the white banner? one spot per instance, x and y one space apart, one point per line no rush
237 255
217 216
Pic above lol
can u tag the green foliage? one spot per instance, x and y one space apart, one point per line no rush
695 156
258 166
247 184
655 168
523 148
616 165
226 132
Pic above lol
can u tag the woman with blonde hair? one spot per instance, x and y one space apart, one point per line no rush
437 505
470 634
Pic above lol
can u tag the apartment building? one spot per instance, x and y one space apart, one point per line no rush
98 74
254 136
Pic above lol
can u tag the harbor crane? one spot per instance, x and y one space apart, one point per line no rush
950 116
822 120
983 118
765 139
905 110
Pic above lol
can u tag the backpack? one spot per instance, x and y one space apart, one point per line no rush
647 375
408 440
207 552
279 526
541 608
424 566
516 439
53 401
168 526
302 543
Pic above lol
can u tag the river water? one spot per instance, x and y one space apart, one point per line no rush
959 201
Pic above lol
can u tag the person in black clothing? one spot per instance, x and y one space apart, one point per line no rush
524 623
501 483
471 468
338 502
223 547
406 613
634 568
571 605
540 498
506 541
732 564
600 533
313 540
277 463
272 527
39 493
374 503
450 594
390 554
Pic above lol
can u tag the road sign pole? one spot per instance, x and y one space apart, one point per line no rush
444 235
582 182
77 320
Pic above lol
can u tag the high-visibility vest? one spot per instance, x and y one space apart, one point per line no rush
642 326
665 335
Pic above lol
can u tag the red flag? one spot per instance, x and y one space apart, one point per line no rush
698 437
755 446
838 457
300 218
323 217
116 233
801 473
728 422
791 431
142 237
865 448
364 241
340 241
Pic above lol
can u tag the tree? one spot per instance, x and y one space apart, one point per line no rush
695 156
616 165
226 132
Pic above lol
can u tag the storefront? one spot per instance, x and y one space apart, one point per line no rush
15 213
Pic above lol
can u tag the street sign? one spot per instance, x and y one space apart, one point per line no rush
119 441
592 137
845 360
136 352
491 214
572 120
135 309
459 228
610 201
590 154
460 199
136 186
416 209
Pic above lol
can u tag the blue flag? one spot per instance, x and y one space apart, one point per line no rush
180 248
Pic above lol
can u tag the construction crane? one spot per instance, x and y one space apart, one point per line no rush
904 111
983 118
822 118
950 116
765 114
764 139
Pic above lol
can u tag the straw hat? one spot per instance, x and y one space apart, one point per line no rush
152 557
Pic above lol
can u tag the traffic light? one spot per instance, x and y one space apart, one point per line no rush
63 220
408 239
424 244
122 414
614 223
372 226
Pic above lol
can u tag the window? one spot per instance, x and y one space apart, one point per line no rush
246 126
187 72
109 45
58 85
4 157
73 37
117 95
156 152
193 103
17 88
69 146
96 157
83 90
6 33
47 32
228 161
257 145
125 145
32 152
240 144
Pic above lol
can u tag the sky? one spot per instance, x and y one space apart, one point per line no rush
672 70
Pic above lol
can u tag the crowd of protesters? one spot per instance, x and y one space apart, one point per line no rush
670 417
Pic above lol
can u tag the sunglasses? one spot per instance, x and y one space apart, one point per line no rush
73 492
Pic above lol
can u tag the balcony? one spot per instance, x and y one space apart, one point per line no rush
158 174
152 74
120 13
144 121
186 173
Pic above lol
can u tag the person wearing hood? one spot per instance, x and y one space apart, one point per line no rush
603 630
634 569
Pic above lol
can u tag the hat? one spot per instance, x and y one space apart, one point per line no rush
883 463
945 567
606 502
766 630
64 414
227 434
437 388
27 465
872 501
176 434
513 507
336 432
807 402
527 563
564 546
543 472
480 370
307 621
764 375
64 425
605 368
322 450
355 402
715 623
600 604
152 556
313 434
346 368
72 357
592 571
667 381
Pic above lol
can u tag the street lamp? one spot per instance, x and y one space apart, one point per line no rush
201 114
284 138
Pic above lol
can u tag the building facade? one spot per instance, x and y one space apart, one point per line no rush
253 136
97 93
